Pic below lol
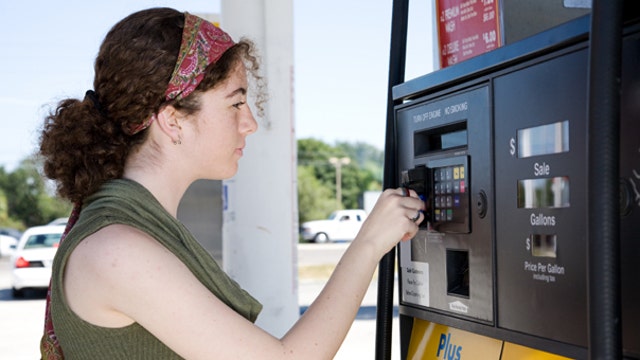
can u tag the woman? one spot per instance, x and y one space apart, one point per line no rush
129 281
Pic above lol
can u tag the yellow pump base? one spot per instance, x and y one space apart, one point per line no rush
438 342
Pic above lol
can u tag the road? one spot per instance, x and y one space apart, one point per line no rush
310 254
21 320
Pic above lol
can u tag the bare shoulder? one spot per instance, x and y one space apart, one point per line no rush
105 267
115 253
115 246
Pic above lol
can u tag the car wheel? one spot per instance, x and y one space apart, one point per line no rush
17 293
321 238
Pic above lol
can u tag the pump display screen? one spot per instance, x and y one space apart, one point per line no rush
454 139
543 193
543 245
544 139
440 138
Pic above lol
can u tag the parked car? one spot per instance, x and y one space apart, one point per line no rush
15 233
32 259
342 225
7 245
59 221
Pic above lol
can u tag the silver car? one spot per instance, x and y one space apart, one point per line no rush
31 261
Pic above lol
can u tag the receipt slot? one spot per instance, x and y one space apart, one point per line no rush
498 147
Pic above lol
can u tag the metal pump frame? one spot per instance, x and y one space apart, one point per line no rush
604 300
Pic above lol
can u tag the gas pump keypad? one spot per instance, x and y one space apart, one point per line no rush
449 187
450 195
443 184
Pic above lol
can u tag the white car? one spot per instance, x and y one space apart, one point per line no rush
32 259
7 245
59 221
342 225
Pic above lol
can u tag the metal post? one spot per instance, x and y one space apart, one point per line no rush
338 162
397 57
605 339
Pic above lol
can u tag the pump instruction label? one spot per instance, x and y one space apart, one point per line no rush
415 283
414 277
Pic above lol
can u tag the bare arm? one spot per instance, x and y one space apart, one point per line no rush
335 308
134 278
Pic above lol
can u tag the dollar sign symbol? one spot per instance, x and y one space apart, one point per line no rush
512 146
528 244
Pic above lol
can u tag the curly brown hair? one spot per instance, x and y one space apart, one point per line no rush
83 142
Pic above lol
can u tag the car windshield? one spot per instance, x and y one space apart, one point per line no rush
42 241
333 215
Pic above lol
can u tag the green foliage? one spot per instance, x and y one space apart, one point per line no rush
25 201
368 157
314 200
4 209
317 176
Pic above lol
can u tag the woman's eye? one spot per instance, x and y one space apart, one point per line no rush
238 104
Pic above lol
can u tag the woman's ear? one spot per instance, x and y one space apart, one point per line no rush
169 123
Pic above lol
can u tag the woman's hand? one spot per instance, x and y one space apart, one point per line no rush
394 218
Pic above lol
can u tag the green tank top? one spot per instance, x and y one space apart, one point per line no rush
127 202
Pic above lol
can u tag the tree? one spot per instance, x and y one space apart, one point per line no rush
368 157
27 201
365 172
315 201
317 176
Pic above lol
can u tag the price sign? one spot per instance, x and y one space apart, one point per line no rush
467 28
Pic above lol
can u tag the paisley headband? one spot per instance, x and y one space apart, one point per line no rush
202 45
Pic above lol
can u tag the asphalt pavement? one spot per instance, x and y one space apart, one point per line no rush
360 341
21 320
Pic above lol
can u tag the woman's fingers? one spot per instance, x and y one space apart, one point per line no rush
412 208
415 217
406 192
394 218
415 207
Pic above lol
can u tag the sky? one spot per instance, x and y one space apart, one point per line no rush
341 62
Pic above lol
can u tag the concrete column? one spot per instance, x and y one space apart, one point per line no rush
260 215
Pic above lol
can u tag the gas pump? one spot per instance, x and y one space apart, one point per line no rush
500 148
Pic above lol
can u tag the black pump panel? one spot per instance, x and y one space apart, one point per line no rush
541 223
498 147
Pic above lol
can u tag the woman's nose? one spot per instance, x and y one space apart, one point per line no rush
249 125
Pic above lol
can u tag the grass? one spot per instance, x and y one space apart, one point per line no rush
315 272
319 272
